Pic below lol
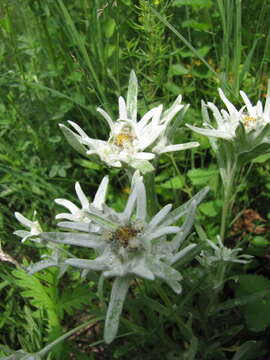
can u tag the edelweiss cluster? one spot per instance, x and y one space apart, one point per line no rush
131 244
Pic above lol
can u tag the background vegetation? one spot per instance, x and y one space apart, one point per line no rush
59 60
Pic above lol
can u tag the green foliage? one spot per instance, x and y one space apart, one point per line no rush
59 61
74 299
257 312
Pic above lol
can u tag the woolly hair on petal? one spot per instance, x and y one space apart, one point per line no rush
132 97
231 108
118 295
101 193
81 196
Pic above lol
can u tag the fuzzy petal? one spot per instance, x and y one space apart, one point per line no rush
132 97
166 273
179 147
23 220
162 231
67 204
211 132
248 103
100 196
122 109
231 108
118 295
106 117
141 202
159 216
85 240
83 199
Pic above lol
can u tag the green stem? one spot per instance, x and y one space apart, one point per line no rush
48 347
183 328
151 196
219 277
227 205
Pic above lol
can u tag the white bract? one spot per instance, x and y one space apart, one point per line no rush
80 214
130 244
34 226
253 118
130 142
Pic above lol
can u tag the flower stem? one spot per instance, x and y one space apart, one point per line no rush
48 347
151 196
227 204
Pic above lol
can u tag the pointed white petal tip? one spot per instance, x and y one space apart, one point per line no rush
22 219
78 190
221 92
59 201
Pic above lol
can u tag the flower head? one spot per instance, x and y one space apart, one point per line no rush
222 253
253 118
129 244
130 142
34 226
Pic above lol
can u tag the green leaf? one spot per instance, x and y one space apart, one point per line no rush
257 313
211 208
174 183
173 88
74 299
194 3
261 159
41 296
248 350
109 27
88 164
203 176
177 69
260 241
193 24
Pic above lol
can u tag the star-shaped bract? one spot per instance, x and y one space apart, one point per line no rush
129 244
131 143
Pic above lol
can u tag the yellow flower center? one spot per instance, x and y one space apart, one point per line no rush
124 234
122 139
249 120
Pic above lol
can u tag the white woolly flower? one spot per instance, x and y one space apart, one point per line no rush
130 244
34 226
130 142
253 118
222 253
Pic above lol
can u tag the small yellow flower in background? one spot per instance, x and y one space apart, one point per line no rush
126 190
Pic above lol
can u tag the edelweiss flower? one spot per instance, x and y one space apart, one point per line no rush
129 244
35 228
253 118
223 253
130 142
